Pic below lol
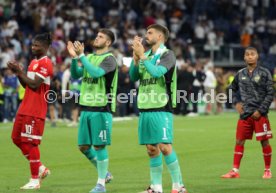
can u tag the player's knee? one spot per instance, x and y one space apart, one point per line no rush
265 143
83 148
152 150
166 149
240 142
99 147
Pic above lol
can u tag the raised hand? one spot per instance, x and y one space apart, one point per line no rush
71 49
79 47
137 38
14 66
138 48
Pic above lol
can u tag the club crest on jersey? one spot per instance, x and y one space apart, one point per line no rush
257 78
35 66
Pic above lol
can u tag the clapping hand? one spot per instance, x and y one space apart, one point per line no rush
79 47
14 66
71 49
138 48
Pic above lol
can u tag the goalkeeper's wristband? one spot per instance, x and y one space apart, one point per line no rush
81 55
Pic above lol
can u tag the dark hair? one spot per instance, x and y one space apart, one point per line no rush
109 33
164 30
45 38
251 48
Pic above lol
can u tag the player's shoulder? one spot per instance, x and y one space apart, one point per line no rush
241 71
45 59
168 55
263 70
46 62
45 66
169 52
110 58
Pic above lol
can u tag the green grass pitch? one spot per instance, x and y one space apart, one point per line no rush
204 146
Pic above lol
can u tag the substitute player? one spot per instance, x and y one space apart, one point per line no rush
97 100
252 95
30 119
156 71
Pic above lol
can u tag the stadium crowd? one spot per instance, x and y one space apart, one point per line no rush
194 24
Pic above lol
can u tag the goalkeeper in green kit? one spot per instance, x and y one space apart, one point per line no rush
156 71
99 75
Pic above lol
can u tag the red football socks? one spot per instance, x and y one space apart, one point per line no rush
238 156
267 151
25 149
34 161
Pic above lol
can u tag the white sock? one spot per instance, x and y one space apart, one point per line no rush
101 181
236 170
176 186
36 181
157 188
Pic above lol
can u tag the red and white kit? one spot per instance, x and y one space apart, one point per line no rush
30 118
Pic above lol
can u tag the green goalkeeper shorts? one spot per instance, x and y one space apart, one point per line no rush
155 128
95 128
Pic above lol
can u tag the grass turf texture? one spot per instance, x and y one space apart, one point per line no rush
204 146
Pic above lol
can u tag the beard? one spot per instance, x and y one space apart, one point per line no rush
36 53
149 43
99 46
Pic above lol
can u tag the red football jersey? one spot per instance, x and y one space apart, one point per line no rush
34 102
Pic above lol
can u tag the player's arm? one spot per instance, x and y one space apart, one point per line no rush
167 61
32 83
94 71
134 66
153 70
236 98
268 86
21 82
134 71
75 69
139 50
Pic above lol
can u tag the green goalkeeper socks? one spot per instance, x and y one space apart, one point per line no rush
102 162
91 155
174 169
156 169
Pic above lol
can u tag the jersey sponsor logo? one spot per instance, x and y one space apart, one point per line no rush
243 78
35 66
90 80
146 82
43 70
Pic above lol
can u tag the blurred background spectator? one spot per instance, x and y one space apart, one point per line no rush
201 30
